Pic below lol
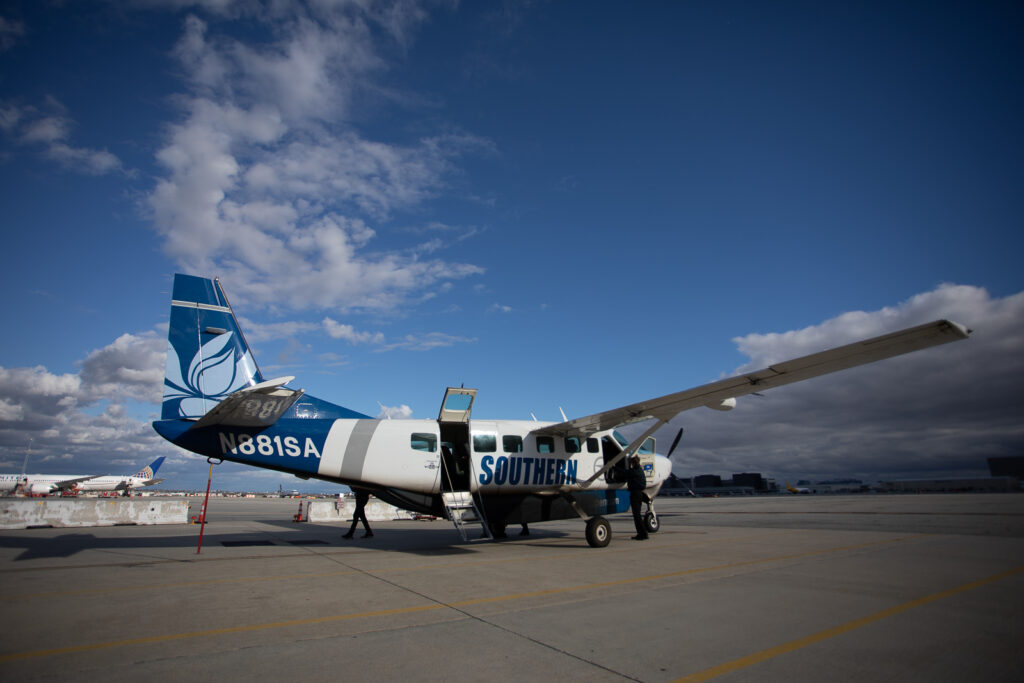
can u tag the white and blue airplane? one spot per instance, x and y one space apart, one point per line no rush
46 484
217 403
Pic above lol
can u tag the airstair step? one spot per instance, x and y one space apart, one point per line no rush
462 508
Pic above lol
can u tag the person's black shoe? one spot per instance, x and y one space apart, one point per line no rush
348 535
368 534
640 538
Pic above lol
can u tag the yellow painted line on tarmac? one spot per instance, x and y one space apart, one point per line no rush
15 656
793 645
213 632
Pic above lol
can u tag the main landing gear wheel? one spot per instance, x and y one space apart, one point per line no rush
651 522
599 532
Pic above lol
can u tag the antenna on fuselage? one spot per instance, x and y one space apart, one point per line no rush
533 416
564 418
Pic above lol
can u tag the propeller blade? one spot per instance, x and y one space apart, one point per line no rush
675 443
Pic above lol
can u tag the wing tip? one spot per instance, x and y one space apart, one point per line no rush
960 331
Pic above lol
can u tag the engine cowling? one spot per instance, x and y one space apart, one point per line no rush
40 489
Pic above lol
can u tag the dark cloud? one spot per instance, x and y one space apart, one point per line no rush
83 421
935 413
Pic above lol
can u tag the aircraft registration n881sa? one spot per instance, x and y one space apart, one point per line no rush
217 403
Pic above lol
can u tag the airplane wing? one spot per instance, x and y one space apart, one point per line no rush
717 395
256 406
68 484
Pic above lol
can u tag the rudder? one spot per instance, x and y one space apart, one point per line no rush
149 471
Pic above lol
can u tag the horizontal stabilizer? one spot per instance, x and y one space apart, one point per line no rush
718 394
260 405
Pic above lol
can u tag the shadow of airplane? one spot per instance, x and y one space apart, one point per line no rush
421 541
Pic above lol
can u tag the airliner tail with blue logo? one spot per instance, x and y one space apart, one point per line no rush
217 403
57 484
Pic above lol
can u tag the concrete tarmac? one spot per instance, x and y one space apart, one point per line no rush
806 588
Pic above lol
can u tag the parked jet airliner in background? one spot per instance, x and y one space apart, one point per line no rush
44 484
217 403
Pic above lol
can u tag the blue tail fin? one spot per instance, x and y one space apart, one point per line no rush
150 471
207 356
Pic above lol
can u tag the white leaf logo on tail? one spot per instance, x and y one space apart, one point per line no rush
214 372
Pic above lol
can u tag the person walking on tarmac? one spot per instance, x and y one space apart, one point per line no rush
637 482
362 496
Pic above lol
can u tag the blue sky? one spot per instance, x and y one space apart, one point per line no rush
560 203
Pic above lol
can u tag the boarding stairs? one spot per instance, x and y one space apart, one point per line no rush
462 510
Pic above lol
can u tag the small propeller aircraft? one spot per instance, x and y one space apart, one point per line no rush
217 403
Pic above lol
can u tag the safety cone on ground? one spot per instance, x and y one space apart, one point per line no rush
298 515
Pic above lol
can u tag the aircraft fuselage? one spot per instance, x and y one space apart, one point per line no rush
424 457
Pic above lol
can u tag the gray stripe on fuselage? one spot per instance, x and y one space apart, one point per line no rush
355 451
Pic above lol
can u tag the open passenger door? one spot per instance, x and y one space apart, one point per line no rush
453 420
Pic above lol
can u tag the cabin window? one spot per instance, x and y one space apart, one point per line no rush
485 443
593 445
572 444
512 444
545 444
647 448
423 442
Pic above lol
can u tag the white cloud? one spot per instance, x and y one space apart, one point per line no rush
10 411
83 415
267 185
401 412
260 332
10 32
937 412
426 342
341 331
131 367
51 132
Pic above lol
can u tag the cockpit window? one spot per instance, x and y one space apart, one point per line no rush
621 439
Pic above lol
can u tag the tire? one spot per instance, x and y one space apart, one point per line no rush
599 532
652 523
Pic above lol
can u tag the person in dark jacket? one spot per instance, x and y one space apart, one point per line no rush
636 481
360 514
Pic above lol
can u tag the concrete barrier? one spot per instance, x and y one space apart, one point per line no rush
23 513
342 509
